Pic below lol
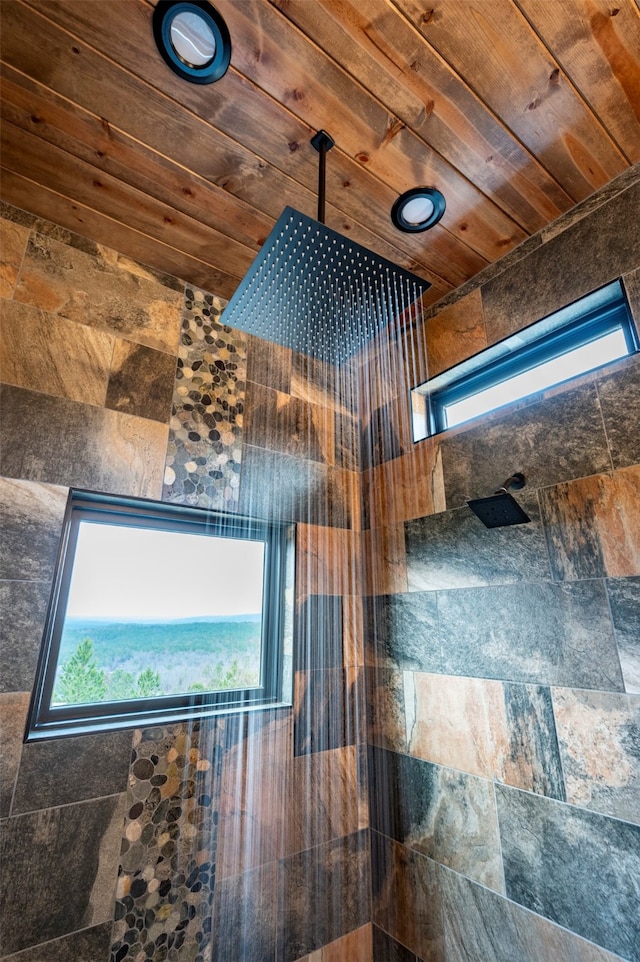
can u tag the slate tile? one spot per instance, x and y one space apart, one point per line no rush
13 715
280 422
631 283
327 710
31 516
454 549
624 598
406 897
64 864
386 720
347 441
23 608
593 525
13 244
278 486
575 867
64 770
101 288
386 949
599 737
411 486
455 333
447 815
355 946
323 894
318 633
384 560
141 381
550 440
552 634
327 561
402 630
585 256
59 441
483 927
320 382
268 364
45 353
381 438
497 730
619 394
244 917
90 945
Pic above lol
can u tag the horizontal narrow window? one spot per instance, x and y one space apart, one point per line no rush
591 332
159 612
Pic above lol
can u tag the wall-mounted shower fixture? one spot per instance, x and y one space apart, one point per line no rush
501 509
318 292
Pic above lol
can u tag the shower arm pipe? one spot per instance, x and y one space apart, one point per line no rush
323 143
516 481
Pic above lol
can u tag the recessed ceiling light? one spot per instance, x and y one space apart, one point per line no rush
193 39
418 209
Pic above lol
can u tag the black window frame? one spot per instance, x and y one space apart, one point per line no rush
585 320
46 721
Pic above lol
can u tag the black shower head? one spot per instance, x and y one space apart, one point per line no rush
499 510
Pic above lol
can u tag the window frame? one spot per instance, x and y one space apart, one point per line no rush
599 313
47 721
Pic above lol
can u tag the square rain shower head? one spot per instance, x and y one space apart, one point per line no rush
317 292
499 510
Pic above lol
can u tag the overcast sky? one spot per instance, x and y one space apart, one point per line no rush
123 572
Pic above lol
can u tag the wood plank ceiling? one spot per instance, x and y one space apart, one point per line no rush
514 109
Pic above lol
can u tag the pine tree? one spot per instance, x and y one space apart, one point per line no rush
81 682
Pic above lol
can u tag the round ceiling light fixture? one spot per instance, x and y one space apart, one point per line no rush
193 39
418 209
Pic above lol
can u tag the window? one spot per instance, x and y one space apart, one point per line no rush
591 332
159 612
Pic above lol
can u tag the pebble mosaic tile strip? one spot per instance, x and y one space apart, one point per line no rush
167 864
205 437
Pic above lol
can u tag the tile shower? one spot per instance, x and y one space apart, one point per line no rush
458 778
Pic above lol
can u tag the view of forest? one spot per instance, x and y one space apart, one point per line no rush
107 661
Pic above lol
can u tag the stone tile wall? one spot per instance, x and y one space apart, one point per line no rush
242 838
503 665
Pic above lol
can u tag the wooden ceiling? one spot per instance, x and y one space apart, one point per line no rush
514 109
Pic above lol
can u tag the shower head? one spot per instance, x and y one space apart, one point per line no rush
501 509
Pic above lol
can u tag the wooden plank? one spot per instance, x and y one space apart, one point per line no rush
305 84
597 44
384 53
79 74
23 193
53 167
494 49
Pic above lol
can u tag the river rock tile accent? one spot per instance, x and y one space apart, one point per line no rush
599 736
76 279
449 816
386 949
406 897
483 927
577 868
624 598
323 893
401 631
23 608
51 355
90 945
453 549
593 525
619 394
13 244
567 427
64 770
13 715
558 272
500 731
552 634
81 841
60 441
244 917
31 518
167 860
141 381
205 438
